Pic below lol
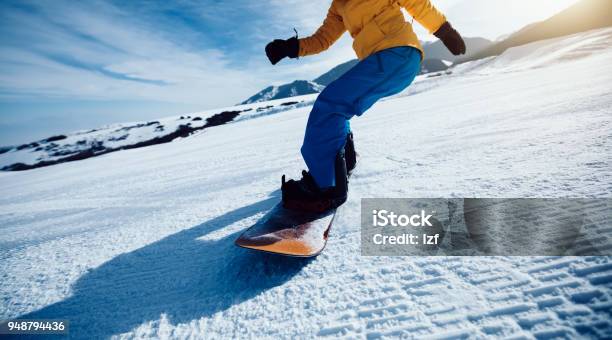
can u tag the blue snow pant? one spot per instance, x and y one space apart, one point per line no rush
381 74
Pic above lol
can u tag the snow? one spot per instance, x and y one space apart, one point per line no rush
116 137
139 243
545 52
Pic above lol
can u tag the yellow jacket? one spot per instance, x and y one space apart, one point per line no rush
375 25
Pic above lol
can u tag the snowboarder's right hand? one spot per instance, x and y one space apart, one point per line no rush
451 39
279 49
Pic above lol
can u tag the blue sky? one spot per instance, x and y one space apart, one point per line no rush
67 65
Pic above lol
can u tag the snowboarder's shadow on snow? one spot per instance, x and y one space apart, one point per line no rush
180 276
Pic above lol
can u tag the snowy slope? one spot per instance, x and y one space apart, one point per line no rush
91 143
139 243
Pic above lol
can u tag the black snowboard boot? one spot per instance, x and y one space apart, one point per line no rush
305 195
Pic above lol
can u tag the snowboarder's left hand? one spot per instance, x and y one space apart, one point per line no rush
279 49
451 39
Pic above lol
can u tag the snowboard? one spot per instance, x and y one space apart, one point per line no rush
289 232
296 233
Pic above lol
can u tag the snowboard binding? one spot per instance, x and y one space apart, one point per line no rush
305 195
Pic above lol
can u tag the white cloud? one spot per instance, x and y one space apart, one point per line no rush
114 43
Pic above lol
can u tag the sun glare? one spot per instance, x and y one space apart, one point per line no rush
543 8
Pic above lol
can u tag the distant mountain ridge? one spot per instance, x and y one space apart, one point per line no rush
295 88
85 144
335 73
435 54
582 16
437 50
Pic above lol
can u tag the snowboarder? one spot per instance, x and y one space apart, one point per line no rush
390 57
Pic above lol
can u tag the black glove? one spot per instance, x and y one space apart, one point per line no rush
451 39
279 49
